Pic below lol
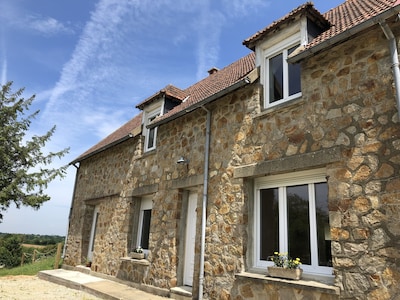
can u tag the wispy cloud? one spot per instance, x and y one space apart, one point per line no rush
122 55
46 25
16 17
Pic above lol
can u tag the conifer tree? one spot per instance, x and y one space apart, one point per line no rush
25 170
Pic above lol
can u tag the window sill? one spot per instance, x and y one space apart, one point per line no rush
286 105
303 284
143 262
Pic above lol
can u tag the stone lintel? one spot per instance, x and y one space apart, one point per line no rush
143 190
187 182
98 200
291 163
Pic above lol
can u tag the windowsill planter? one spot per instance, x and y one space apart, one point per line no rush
135 255
294 274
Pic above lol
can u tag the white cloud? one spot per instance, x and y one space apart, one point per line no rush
237 8
47 25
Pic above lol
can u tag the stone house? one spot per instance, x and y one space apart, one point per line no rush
292 148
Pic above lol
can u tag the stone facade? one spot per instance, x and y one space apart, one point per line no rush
345 121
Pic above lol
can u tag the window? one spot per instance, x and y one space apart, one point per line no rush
150 133
281 79
291 215
144 222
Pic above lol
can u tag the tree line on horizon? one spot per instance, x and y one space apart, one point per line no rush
12 246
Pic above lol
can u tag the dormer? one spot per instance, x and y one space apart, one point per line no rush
157 105
275 43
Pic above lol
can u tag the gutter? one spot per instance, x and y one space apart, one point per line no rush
395 61
250 78
345 35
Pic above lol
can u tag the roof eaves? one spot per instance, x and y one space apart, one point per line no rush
250 78
83 157
341 37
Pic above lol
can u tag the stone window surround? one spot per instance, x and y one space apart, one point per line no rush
269 51
307 178
150 114
306 161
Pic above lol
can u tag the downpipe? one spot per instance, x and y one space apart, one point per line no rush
204 204
395 61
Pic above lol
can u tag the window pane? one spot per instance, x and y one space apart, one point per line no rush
269 219
323 229
150 143
298 223
276 78
144 241
151 133
294 76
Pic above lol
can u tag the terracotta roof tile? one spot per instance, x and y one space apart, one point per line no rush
215 83
170 91
350 14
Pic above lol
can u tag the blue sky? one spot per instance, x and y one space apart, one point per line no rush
90 62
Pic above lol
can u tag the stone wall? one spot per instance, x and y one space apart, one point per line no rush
348 108
347 102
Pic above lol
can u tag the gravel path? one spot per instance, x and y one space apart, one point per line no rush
31 287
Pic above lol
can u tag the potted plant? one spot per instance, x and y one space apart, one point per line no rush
88 263
285 267
137 253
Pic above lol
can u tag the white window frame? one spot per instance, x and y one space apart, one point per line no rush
268 53
281 181
146 203
149 114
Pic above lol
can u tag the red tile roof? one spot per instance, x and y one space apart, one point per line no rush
120 135
214 83
350 14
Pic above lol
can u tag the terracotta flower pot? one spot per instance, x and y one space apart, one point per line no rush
294 274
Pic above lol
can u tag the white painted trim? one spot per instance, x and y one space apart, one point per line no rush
281 181
190 239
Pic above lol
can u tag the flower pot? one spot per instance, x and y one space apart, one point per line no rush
136 255
294 274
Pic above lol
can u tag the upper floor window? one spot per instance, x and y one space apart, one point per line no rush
150 133
291 215
281 79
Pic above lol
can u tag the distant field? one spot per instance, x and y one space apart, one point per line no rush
33 246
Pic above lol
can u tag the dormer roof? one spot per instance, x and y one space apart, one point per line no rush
306 10
170 91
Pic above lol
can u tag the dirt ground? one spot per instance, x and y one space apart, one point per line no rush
31 287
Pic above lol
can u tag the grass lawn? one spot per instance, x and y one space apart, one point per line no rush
30 269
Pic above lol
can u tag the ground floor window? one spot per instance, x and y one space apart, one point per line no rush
291 215
144 222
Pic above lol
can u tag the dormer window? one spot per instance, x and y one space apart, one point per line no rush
275 43
150 134
281 80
